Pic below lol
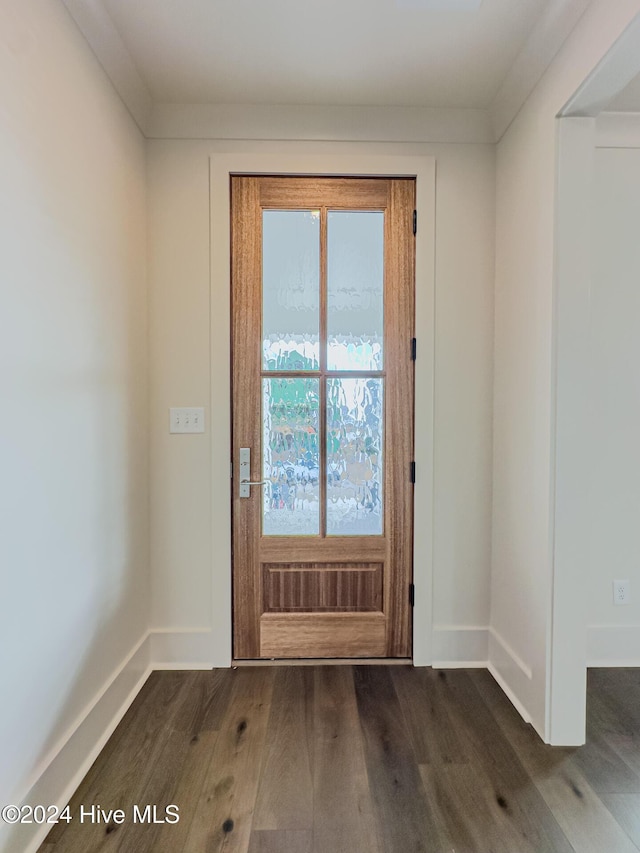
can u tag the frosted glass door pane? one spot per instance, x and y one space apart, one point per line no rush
290 289
355 254
354 457
291 458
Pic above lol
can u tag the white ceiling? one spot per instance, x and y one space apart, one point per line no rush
364 52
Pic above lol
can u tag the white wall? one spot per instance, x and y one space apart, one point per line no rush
188 572
614 342
73 391
529 580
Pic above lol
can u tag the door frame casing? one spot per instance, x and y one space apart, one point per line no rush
221 167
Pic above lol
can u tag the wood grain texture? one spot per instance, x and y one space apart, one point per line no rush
625 808
196 728
132 757
404 820
343 820
433 734
285 797
330 759
614 717
505 775
337 193
322 587
189 780
399 413
223 814
454 792
338 549
279 840
584 817
569 794
259 590
246 325
323 635
136 719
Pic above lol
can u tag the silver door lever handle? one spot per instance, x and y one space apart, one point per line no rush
245 474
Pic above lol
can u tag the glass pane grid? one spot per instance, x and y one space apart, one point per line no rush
323 320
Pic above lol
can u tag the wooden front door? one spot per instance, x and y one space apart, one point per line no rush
322 384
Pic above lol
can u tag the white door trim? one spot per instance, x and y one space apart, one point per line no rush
423 169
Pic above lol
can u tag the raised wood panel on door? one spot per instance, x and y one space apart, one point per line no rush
322 587
323 596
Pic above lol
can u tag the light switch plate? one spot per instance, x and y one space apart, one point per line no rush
189 419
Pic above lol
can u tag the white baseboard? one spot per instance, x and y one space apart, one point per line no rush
511 672
613 645
459 646
508 692
185 649
62 770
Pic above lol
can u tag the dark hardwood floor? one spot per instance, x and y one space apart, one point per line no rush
359 759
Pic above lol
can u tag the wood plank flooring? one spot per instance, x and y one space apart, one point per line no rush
360 759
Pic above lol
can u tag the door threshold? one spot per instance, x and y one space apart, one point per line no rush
324 662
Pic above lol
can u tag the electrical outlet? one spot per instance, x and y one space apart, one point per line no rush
186 419
622 592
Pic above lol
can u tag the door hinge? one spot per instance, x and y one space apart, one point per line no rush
414 349
412 594
415 221
413 472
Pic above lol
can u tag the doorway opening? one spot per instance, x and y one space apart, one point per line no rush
323 296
